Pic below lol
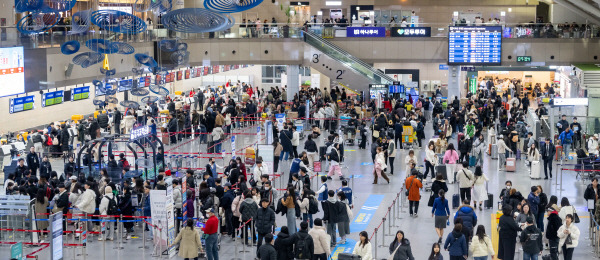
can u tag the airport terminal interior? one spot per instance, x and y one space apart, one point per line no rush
316 129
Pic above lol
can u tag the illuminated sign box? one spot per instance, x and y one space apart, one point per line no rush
571 102
523 58
365 32
410 31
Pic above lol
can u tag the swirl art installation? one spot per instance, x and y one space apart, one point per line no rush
58 5
180 57
80 22
108 73
140 92
112 100
117 21
124 48
102 46
168 45
37 22
197 20
159 90
22 6
87 59
231 6
130 104
70 47
150 99
146 60
98 101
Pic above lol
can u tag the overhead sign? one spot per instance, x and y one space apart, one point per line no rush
410 31
52 98
571 102
476 45
365 32
80 93
523 58
125 85
20 104
443 67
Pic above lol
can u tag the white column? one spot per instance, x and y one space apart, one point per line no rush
293 81
454 82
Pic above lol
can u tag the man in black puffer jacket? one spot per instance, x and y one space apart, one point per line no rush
531 239
265 221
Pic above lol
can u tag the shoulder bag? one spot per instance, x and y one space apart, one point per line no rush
394 253
431 200
410 186
575 216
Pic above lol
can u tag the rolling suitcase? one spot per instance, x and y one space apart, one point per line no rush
348 256
441 169
511 164
455 201
494 151
322 153
518 155
535 170
472 161
489 203
558 154
489 152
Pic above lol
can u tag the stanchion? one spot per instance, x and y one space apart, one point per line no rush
143 237
120 233
383 233
250 232
389 222
375 242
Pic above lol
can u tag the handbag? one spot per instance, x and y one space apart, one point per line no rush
408 191
568 240
393 253
575 216
431 200
375 133
349 212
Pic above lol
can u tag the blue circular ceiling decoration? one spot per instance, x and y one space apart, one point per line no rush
168 45
87 59
117 21
28 5
159 90
140 92
130 104
98 101
230 6
108 73
58 5
124 48
70 47
196 20
146 60
150 99
180 57
102 46
80 22
112 100
37 22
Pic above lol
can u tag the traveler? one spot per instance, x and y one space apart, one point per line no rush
190 242
450 159
311 151
456 244
247 209
481 245
479 149
464 146
226 203
267 251
127 210
33 161
441 211
566 139
330 216
592 145
391 153
531 240
592 192
178 203
465 180
554 223
87 201
108 206
547 151
380 166
480 193
278 149
283 245
323 192
569 237
507 234
334 158
289 201
409 159
304 247
265 223
469 219
502 149
400 247
41 206
437 185
212 239
413 186
431 160
321 241
362 248
565 209
307 199
345 215
505 193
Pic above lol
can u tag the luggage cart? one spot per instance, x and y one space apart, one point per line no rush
300 127
200 224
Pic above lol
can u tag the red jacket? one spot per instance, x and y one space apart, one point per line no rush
212 225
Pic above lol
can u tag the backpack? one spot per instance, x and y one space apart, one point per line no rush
515 138
112 209
48 140
37 138
126 165
313 206
302 250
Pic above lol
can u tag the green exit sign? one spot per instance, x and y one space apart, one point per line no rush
523 58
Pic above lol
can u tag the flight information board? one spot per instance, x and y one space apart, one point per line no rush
20 104
475 45
80 93
52 98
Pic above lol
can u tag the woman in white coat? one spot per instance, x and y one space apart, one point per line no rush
103 208
410 158
480 193
431 160
569 237
363 247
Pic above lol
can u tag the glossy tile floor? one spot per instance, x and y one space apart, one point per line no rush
420 231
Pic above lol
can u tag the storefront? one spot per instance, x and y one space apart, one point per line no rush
502 77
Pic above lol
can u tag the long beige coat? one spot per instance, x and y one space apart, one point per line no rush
41 208
190 242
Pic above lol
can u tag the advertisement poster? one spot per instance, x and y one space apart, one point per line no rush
57 236
158 201
170 221
184 200
280 121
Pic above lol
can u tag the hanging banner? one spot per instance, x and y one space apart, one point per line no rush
158 202
233 147
170 221
269 131
183 200
280 121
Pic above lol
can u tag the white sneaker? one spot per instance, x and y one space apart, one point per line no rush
101 239
128 237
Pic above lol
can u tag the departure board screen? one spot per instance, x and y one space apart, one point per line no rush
20 104
52 98
475 45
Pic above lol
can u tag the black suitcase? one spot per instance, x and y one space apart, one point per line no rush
347 256
441 169
489 203
322 153
455 201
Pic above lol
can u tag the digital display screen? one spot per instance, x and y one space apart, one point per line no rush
141 82
108 85
523 58
125 85
12 71
52 98
20 104
475 45
80 93
139 132
396 88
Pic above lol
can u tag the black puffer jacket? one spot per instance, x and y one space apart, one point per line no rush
265 219
554 223
284 245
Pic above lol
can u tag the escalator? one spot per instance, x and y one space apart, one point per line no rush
340 66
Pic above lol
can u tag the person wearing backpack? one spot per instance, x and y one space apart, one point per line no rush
308 206
108 206
531 240
265 223
304 247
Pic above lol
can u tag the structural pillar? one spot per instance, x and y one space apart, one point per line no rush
293 81
454 82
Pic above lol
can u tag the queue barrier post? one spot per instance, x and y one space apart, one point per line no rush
383 233
375 242
143 237
390 222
